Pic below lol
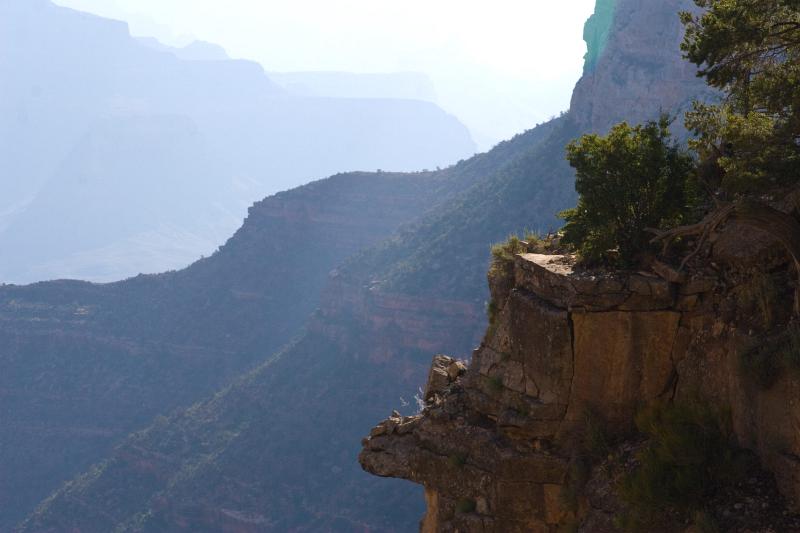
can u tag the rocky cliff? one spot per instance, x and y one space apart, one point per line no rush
634 64
493 446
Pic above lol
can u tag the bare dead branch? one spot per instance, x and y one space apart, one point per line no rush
783 227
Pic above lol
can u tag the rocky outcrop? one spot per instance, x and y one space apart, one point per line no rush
634 63
493 447
486 450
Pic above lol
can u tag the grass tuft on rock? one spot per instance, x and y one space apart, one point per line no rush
465 506
495 384
503 253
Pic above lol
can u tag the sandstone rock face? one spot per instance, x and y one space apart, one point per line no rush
622 359
491 446
486 448
634 64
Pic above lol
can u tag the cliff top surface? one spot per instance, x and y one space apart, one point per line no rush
563 265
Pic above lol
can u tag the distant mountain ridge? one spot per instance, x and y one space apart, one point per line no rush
194 51
405 85
68 79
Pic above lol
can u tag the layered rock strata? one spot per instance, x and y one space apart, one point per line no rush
634 62
492 446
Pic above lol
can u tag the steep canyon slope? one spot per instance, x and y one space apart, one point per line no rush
86 364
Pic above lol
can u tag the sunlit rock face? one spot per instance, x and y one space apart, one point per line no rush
491 440
634 70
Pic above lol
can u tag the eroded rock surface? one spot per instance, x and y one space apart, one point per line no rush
644 36
486 448
492 446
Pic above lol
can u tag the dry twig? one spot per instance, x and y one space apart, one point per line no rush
781 226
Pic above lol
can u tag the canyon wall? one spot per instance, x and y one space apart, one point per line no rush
634 69
289 430
493 446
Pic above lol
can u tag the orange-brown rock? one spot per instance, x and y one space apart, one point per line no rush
491 446
486 447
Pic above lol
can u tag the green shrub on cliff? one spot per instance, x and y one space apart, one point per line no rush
503 255
630 180
688 457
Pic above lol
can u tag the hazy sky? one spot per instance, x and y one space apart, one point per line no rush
501 66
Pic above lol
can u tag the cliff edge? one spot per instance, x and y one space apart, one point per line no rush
494 445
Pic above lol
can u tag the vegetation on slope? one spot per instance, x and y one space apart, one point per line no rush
688 457
633 180
264 430
750 49
445 254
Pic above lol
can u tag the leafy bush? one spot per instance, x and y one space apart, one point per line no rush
503 254
743 152
632 179
689 455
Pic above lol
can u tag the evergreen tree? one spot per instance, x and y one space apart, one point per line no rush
750 50
632 179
